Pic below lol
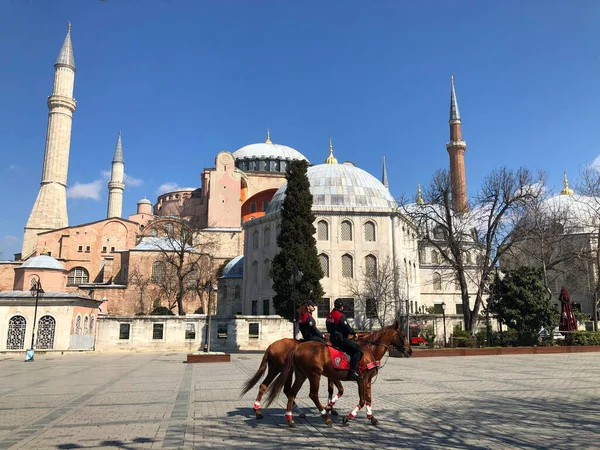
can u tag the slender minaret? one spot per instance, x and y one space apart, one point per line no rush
50 209
384 178
116 185
456 149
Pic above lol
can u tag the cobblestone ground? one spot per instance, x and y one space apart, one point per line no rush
135 401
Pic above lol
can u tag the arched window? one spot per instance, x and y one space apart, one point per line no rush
322 231
92 323
324 261
16 333
267 237
224 292
370 231
45 334
169 229
422 256
346 230
237 292
468 258
252 207
414 272
267 264
255 272
159 271
371 266
33 281
255 240
86 325
437 281
78 325
347 266
77 276
153 232
439 233
435 258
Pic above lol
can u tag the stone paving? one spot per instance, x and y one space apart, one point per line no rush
137 401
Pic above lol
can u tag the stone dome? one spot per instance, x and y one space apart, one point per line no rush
43 262
234 268
341 186
576 212
144 201
268 150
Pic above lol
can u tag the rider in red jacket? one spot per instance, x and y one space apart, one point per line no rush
339 329
307 324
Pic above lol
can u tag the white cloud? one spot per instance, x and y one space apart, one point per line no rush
86 190
10 239
166 187
132 181
13 167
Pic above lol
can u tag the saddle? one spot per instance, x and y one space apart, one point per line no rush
339 360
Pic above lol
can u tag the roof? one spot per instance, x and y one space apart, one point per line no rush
81 225
234 268
43 262
157 244
65 57
47 294
119 151
268 150
144 201
341 185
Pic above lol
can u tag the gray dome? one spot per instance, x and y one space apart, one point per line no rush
144 201
341 186
43 262
268 151
234 268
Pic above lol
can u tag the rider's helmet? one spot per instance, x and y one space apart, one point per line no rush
310 303
338 303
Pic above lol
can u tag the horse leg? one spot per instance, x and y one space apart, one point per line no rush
334 398
293 392
315 379
361 393
368 400
261 390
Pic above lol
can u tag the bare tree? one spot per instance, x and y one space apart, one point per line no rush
142 283
487 229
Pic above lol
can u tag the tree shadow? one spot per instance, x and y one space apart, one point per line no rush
110 443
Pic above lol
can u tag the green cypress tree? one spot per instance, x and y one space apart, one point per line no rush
298 247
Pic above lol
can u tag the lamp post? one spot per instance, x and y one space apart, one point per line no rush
295 278
208 287
37 292
444 320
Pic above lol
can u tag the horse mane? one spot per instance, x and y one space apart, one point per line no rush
375 335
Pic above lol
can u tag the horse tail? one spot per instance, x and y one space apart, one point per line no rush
259 373
286 374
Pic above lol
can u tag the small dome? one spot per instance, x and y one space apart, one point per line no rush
42 262
234 268
268 150
144 201
341 186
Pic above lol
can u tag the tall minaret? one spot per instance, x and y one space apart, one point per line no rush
456 148
384 178
50 209
116 185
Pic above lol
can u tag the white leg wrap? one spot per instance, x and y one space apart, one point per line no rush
256 405
334 399
369 410
323 413
288 415
355 412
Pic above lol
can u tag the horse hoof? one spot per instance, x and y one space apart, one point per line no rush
292 424
345 421
329 424
302 415
258 414
333 412
374 421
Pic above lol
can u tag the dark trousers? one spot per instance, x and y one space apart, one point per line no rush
314 338
353 350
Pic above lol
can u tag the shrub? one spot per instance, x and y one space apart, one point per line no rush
582 338
429 337
161 311
199 311
510 338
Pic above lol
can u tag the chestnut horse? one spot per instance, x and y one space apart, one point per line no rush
274 358
312 360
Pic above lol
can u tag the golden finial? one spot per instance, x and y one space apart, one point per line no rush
268 141
331 159
69 27
419 198
566 190
44 250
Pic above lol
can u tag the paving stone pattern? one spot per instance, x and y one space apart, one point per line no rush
137 401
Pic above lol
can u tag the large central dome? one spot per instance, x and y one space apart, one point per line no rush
268 150
341 186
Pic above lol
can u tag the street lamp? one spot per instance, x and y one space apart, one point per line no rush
208 287
37 292
294 279
444 320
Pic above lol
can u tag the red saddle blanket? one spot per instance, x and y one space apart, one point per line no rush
339 359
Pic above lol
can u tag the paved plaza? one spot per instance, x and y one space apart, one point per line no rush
136 401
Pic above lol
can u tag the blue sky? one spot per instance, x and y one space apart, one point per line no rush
186 79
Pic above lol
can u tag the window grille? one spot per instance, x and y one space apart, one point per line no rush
371 308
348 307
346 231
324 260
86 325
45 332
78 325
437 282
92 323
323 307
437 308
347 266
371 266
159 271
439 233
77 276
33 281
16 333
435 258
322 231
370 232
459 308
169 229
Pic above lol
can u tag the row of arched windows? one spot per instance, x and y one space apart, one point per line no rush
437 259
266 238
347 231
237 292
347 265
85 325
17 325
265 272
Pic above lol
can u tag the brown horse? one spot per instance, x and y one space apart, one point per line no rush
274 359
312 360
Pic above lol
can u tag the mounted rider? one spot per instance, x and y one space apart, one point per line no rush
307 324
339 329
